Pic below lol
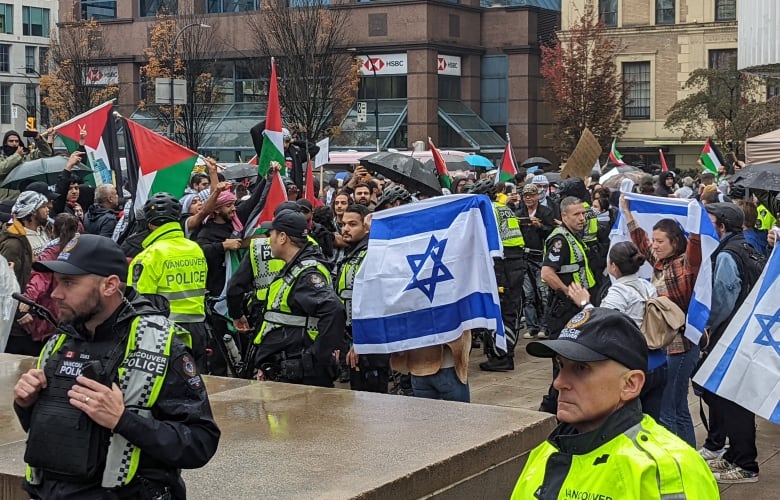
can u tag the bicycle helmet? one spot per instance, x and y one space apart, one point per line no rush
161 208
392 194
484 186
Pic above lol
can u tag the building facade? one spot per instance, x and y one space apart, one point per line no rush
25 28
463 73
662 41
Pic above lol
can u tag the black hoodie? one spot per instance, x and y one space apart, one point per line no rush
9 150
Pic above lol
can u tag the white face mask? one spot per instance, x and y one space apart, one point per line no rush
543 194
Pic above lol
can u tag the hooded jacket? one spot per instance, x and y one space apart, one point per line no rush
100 220
15 248
39 289
9 160
663 189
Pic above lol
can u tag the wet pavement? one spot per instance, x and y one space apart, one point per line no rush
523 388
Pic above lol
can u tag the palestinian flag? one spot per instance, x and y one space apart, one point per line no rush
101 147
709 158
615 156
273 145
308 191
277 194
664 166
252 161
508 167
441 167
162 165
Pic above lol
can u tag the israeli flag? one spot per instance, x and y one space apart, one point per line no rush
744 366
428 275
690 215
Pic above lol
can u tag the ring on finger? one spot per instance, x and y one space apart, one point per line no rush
86 399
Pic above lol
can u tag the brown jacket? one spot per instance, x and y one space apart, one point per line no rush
427 360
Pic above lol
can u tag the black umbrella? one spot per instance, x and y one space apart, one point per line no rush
764 176
404 170
536 160
42 169
239 171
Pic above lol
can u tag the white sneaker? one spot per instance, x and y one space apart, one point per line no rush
529 335
708 454
737 475
541 335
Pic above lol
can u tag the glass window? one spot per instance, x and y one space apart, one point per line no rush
636 90
43 63
725 10
382 87
5 58
31 98
5 103
772 88
722 58
664 11
449 87
6 18
98 9
218 6
150 8
493 90
29 59
35 21
608 12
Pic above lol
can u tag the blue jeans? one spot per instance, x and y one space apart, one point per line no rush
674 407
535 292
443 384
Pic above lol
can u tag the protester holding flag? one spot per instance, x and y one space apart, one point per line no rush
675 260
736 270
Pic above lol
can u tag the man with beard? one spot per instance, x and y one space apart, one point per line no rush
368 372
20 242
362 194
116 406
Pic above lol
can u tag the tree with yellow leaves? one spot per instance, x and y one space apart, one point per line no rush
67 90
193 58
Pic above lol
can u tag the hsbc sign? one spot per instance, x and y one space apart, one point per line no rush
101 75
385 64
449 65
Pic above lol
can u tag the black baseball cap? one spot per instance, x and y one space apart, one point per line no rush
597 334
41 187
305 205
87 254
289 222
287 205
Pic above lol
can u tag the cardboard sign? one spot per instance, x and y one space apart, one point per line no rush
584 156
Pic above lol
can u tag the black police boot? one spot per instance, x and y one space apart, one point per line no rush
503 364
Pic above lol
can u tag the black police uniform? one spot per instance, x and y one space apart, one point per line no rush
181 433
313 297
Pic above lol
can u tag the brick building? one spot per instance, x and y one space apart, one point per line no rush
463 73
663 42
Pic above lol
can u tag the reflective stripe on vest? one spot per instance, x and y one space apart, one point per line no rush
150 335
347 280
264 266
277 300
578 265
765 216
508 226
590 233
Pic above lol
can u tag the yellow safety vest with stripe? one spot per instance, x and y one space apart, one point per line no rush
578 265
508 226
147 353
644 462
346 282
174 267
765 217
590 232
264 266
277 309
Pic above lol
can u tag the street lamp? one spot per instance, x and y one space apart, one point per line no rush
376 98
172 124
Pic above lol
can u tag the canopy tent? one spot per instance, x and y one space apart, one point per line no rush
764 148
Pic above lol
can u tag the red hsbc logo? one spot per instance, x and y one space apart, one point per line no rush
94 75
442 64
374 64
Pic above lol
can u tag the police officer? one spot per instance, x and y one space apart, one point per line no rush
368 372
115 407
173 267
510 273
565 262
303 320
604 447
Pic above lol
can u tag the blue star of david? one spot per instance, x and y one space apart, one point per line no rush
439 272
765 337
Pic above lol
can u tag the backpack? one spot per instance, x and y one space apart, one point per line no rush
662 321
750 263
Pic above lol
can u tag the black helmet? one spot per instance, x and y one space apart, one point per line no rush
484 186
161 208
392 194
